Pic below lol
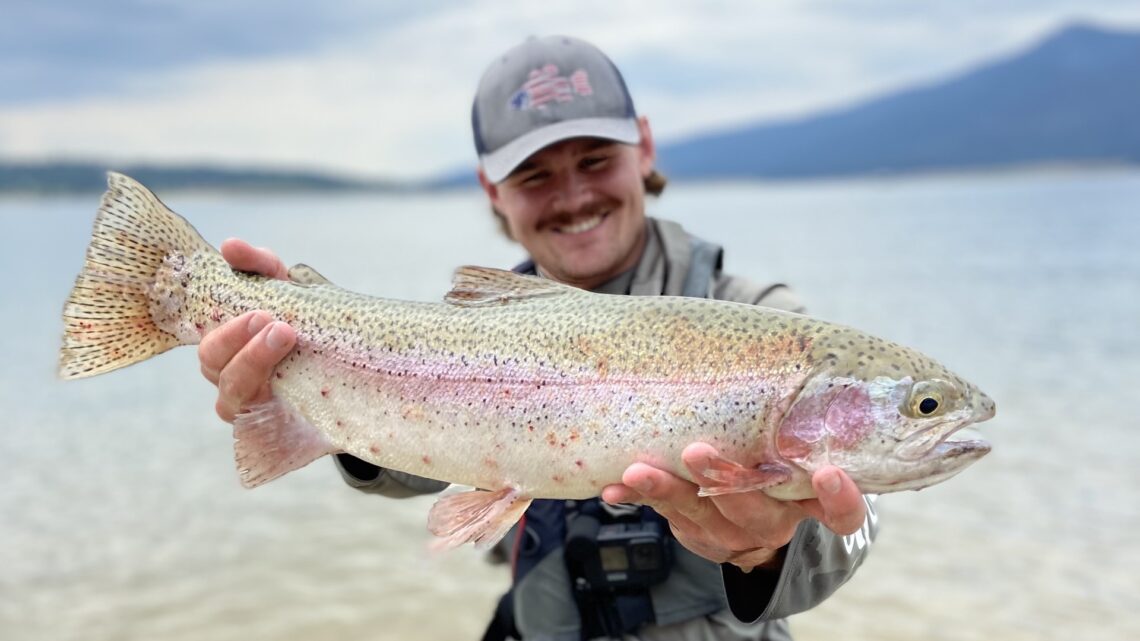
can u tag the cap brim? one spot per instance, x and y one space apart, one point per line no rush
498 164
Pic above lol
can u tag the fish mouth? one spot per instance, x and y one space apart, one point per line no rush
925 442
943 461
963 442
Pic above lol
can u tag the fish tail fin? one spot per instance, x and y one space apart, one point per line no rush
272 439
107 317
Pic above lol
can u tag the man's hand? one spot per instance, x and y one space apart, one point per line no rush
239 356
745 529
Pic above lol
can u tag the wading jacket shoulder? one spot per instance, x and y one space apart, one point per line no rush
700 599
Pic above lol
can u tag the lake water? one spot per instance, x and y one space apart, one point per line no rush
121 517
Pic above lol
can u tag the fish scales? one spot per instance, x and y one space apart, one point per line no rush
440 390
521 386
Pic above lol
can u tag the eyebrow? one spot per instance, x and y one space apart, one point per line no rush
524 167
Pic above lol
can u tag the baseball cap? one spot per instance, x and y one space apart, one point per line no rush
543 91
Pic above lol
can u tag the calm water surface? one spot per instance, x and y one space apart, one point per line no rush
121 516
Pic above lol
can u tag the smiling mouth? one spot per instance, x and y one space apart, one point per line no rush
581 226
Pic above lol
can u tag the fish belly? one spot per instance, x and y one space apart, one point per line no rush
565 440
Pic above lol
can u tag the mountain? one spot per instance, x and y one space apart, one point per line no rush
1074 98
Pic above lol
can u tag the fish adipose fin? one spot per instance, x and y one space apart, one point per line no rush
272 439
730 477
483 286
302 274
476 516
107 318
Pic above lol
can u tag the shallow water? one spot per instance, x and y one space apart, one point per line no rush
122 517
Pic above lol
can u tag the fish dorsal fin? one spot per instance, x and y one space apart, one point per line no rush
482 286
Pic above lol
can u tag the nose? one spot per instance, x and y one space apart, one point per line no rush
573 193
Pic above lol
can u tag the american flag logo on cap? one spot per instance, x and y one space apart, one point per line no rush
544 85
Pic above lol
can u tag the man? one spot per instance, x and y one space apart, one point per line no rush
566 164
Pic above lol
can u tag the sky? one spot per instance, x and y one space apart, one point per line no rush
383 89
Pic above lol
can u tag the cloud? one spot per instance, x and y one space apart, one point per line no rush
388 92
53 50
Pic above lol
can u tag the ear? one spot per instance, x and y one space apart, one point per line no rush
490 188
647 151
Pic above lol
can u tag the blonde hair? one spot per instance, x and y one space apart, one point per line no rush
654 184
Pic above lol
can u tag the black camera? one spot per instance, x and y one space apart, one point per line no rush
617 555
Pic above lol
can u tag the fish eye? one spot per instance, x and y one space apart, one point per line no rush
928 398
927 406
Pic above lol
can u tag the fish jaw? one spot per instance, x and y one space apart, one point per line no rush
943 461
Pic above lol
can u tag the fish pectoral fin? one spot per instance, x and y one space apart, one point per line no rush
476 516
481 286
729 477
272 439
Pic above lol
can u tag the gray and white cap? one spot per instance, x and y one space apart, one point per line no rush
543 91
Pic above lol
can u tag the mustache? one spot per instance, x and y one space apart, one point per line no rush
589 210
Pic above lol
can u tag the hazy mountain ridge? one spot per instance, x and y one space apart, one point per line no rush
1071 99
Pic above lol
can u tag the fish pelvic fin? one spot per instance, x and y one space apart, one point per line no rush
107 317
723 476
476 516
483 286
272 439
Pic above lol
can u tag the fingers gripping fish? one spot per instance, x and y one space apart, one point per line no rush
524 387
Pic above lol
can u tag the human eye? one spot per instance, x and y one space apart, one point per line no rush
595 161
529 177
533 178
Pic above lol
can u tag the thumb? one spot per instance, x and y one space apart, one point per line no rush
840 501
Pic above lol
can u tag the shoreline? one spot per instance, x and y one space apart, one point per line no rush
1061 170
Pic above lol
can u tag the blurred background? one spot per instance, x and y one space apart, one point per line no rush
956 175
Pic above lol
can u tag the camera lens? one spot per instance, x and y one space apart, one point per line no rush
645 556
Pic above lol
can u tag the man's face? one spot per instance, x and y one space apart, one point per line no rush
578 207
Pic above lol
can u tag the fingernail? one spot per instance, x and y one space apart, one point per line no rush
831 483
276 338
256 323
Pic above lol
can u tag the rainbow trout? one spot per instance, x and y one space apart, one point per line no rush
524 387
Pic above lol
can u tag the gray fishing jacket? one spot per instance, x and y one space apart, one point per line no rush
700 600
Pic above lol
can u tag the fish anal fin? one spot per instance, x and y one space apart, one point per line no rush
476 516
482 286
729 477
272 439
